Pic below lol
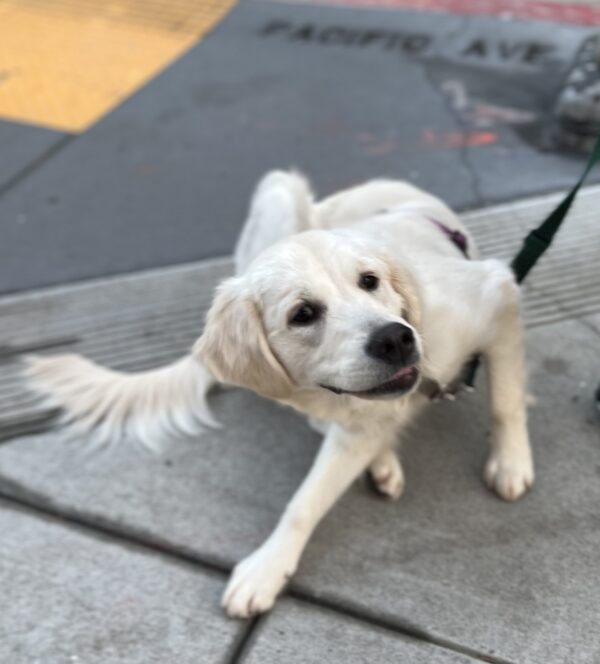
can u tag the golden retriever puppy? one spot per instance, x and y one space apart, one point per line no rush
356 311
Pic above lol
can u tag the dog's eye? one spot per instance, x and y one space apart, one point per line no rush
368 281
305 314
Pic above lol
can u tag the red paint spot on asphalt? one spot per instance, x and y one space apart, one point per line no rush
380 149
375 146
458 139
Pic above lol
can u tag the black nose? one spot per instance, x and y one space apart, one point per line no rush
393 343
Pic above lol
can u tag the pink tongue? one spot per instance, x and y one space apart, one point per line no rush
403 372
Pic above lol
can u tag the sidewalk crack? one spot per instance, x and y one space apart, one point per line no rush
459 121
243 644
33 166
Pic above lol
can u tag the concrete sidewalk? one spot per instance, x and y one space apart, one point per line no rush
121 556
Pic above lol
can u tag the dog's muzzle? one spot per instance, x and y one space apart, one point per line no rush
394 345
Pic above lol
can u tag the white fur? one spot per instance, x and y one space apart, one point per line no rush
294 250
149 406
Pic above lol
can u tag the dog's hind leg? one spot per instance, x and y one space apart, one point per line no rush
387 474
282 205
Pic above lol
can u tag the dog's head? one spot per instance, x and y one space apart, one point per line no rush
321 310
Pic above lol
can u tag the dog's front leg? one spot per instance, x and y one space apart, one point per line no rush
509 470
258 579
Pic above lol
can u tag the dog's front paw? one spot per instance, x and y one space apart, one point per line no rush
256 581
509 474
387 475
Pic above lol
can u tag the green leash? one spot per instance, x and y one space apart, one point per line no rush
539 239
536 243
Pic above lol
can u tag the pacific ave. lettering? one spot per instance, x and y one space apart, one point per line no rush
476 49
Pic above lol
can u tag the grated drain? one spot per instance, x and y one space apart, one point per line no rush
566 282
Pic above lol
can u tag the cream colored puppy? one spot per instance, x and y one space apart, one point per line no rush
353 310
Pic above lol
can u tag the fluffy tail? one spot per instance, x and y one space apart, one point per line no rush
281 206
149 406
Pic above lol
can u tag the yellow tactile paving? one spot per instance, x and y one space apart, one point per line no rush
65 63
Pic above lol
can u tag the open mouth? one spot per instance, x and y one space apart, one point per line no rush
401 382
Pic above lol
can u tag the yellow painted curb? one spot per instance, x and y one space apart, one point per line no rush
66 63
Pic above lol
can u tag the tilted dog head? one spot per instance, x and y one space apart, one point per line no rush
320 310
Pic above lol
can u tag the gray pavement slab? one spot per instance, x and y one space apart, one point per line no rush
299 634
74 597
21 146
454 104
514 581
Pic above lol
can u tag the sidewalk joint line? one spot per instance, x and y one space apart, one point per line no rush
10 351
38 423
15 495
244 644
400 626
39 161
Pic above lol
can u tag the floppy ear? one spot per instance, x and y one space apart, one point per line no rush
405 284
234 345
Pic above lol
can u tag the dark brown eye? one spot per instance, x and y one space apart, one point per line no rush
368 281
305 314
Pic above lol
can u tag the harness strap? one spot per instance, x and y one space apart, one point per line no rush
456 237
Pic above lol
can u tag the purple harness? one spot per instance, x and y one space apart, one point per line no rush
458 239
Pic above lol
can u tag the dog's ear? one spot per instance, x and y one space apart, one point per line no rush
405 284
234 345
